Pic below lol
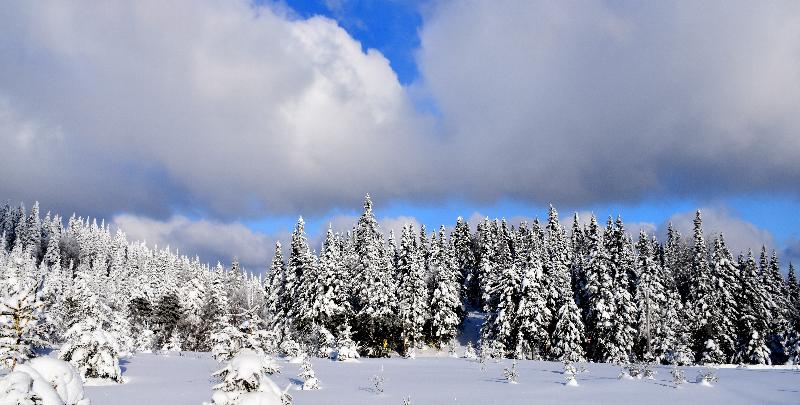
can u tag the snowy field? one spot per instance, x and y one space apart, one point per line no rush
178 380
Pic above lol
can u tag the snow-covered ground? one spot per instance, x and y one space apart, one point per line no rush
177 380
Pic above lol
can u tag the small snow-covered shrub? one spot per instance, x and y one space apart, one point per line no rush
174 343
92 351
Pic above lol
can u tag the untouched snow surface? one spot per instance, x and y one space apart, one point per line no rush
178 380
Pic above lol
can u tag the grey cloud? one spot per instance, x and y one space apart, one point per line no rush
577 102
229 110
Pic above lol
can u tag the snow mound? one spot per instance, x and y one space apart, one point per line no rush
62 376
43 381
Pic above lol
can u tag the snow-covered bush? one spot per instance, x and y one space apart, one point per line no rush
92 351
244 380
19 388
310 381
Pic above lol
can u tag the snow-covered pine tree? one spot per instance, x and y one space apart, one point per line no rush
677 261
568 335
445 302
533 316
20 306
602 306
275 288
777 333
466 262
500 329
556 265
753 316
301 278
374 295
701 302
727 290
621 259
651 300
411 290
793 316
307 375
333 305
89 347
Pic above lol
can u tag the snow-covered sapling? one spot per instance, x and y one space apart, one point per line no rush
347 348
469 352
310 381
378 381
92 351
245 378
482 361
510 373
648 372
678 376
407 400
451 349
706 377
569 373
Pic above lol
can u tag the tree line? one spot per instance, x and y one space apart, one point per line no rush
594 293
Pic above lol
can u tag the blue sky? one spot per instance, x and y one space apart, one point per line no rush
247 115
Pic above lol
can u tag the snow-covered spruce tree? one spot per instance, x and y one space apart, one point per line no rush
651 299
727 292
167 313
445 301
466 262
302 267
532 315
487 268
754 316
777 333
310 381
89 347
793 316
568 335
677 260
556 263
620 251
346 347
577 269
20 306
411 291
333 306
701 302
601 305
374 294
275 288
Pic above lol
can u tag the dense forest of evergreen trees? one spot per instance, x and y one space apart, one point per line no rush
594 293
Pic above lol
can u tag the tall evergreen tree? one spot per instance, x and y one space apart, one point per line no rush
412 294
445 303
754 316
